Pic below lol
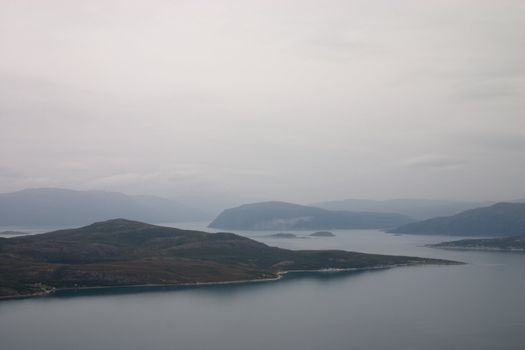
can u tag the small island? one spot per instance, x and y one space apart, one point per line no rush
500 244
283 235
322 234
121 252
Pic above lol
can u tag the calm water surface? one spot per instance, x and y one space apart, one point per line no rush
480 305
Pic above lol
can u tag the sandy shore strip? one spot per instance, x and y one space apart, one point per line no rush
279 275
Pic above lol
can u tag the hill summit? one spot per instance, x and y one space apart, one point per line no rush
288 216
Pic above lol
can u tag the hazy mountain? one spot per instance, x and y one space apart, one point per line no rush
419 209
54 207
288 216
500 219
122 252
213 204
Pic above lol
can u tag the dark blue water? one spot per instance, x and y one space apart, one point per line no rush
480 305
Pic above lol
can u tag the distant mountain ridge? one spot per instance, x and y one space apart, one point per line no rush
500 219
56 207
419 209
288 216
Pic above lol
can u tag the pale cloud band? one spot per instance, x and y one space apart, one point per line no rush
293 100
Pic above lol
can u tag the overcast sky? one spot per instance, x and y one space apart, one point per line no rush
292 100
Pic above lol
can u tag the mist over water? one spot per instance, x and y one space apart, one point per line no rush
474 306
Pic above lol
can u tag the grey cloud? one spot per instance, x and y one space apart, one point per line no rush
295 100
8 173
498 142
489 91
434 161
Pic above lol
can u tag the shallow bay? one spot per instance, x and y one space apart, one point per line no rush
479 305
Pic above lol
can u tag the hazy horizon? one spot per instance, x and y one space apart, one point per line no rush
299 101
247 200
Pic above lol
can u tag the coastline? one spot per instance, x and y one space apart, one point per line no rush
482 249
279 275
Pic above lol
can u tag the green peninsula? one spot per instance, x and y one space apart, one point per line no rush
501 244
123 253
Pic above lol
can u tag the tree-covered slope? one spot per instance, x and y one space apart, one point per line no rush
501 219
288 216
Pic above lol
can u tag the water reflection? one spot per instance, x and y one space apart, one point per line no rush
227 289
465 307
